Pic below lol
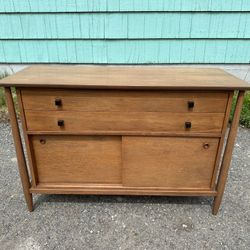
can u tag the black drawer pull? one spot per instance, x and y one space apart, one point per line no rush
190 104
60 123
188 125
58 102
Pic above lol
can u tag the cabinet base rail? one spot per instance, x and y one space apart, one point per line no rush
119 190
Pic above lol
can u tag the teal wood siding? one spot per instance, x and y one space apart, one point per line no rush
125 31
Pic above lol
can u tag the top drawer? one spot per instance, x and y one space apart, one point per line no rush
124 101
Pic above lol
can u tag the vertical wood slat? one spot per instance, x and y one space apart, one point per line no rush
228 154
28 144
221 143
19 149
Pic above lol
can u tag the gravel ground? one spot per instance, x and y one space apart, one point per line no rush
116 222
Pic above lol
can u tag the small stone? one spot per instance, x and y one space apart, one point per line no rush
14 159
119 199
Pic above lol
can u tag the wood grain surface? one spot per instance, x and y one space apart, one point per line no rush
117 190
124 101
123 121
120 77
168 162
78 159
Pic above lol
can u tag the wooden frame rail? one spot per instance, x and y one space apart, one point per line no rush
23 171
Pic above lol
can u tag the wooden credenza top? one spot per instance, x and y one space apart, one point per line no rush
125 77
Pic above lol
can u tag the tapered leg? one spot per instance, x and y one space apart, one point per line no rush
19 149
228 154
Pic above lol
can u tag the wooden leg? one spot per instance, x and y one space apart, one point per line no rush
19 149
228 154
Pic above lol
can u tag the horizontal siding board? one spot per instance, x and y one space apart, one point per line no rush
122 5
125 26
125 51
125 31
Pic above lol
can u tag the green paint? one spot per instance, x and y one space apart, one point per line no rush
122 5
126 52
125 26
125 31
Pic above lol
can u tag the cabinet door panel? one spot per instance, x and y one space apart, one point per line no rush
168 162
78 159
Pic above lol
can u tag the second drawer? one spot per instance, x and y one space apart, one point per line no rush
58 121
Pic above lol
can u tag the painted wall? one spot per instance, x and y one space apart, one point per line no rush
125 31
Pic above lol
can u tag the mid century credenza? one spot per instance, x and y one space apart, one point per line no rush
119 130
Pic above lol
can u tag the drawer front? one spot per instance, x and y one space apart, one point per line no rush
168 162
123 121
124 101
77 159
